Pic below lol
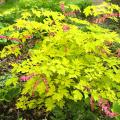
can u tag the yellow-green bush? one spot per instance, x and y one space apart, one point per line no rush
70 60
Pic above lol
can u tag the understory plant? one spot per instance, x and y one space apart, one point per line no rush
60 57
106 15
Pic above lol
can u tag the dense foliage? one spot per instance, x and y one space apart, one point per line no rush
49 58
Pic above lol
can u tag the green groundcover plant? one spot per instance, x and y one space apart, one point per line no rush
66 58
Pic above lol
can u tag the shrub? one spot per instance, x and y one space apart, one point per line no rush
55 58
101 9
106 15
68 61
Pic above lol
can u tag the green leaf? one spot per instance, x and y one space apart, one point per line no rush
77 95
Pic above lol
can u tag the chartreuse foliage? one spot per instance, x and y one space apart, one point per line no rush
104 8
70 61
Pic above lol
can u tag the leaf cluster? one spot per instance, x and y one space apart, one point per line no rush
69 60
